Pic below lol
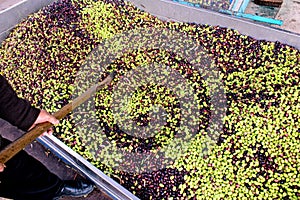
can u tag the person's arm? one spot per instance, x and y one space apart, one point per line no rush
16 111
19 112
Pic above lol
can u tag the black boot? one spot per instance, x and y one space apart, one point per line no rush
74 189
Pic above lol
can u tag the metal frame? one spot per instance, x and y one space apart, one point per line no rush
102 181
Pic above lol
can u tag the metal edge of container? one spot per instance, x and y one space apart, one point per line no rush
102 181
172 11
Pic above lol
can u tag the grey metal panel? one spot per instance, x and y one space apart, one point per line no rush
169 10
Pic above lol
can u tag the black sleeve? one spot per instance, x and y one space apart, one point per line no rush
16 111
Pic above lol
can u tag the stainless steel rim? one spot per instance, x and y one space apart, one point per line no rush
102 181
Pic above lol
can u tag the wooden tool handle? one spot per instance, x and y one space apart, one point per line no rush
16 146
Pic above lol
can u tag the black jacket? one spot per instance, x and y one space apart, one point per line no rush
16 111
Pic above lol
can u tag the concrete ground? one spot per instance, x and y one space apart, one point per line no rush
290 14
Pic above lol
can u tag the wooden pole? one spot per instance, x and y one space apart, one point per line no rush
16 146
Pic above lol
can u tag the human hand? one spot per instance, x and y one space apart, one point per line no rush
44 116
2 166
